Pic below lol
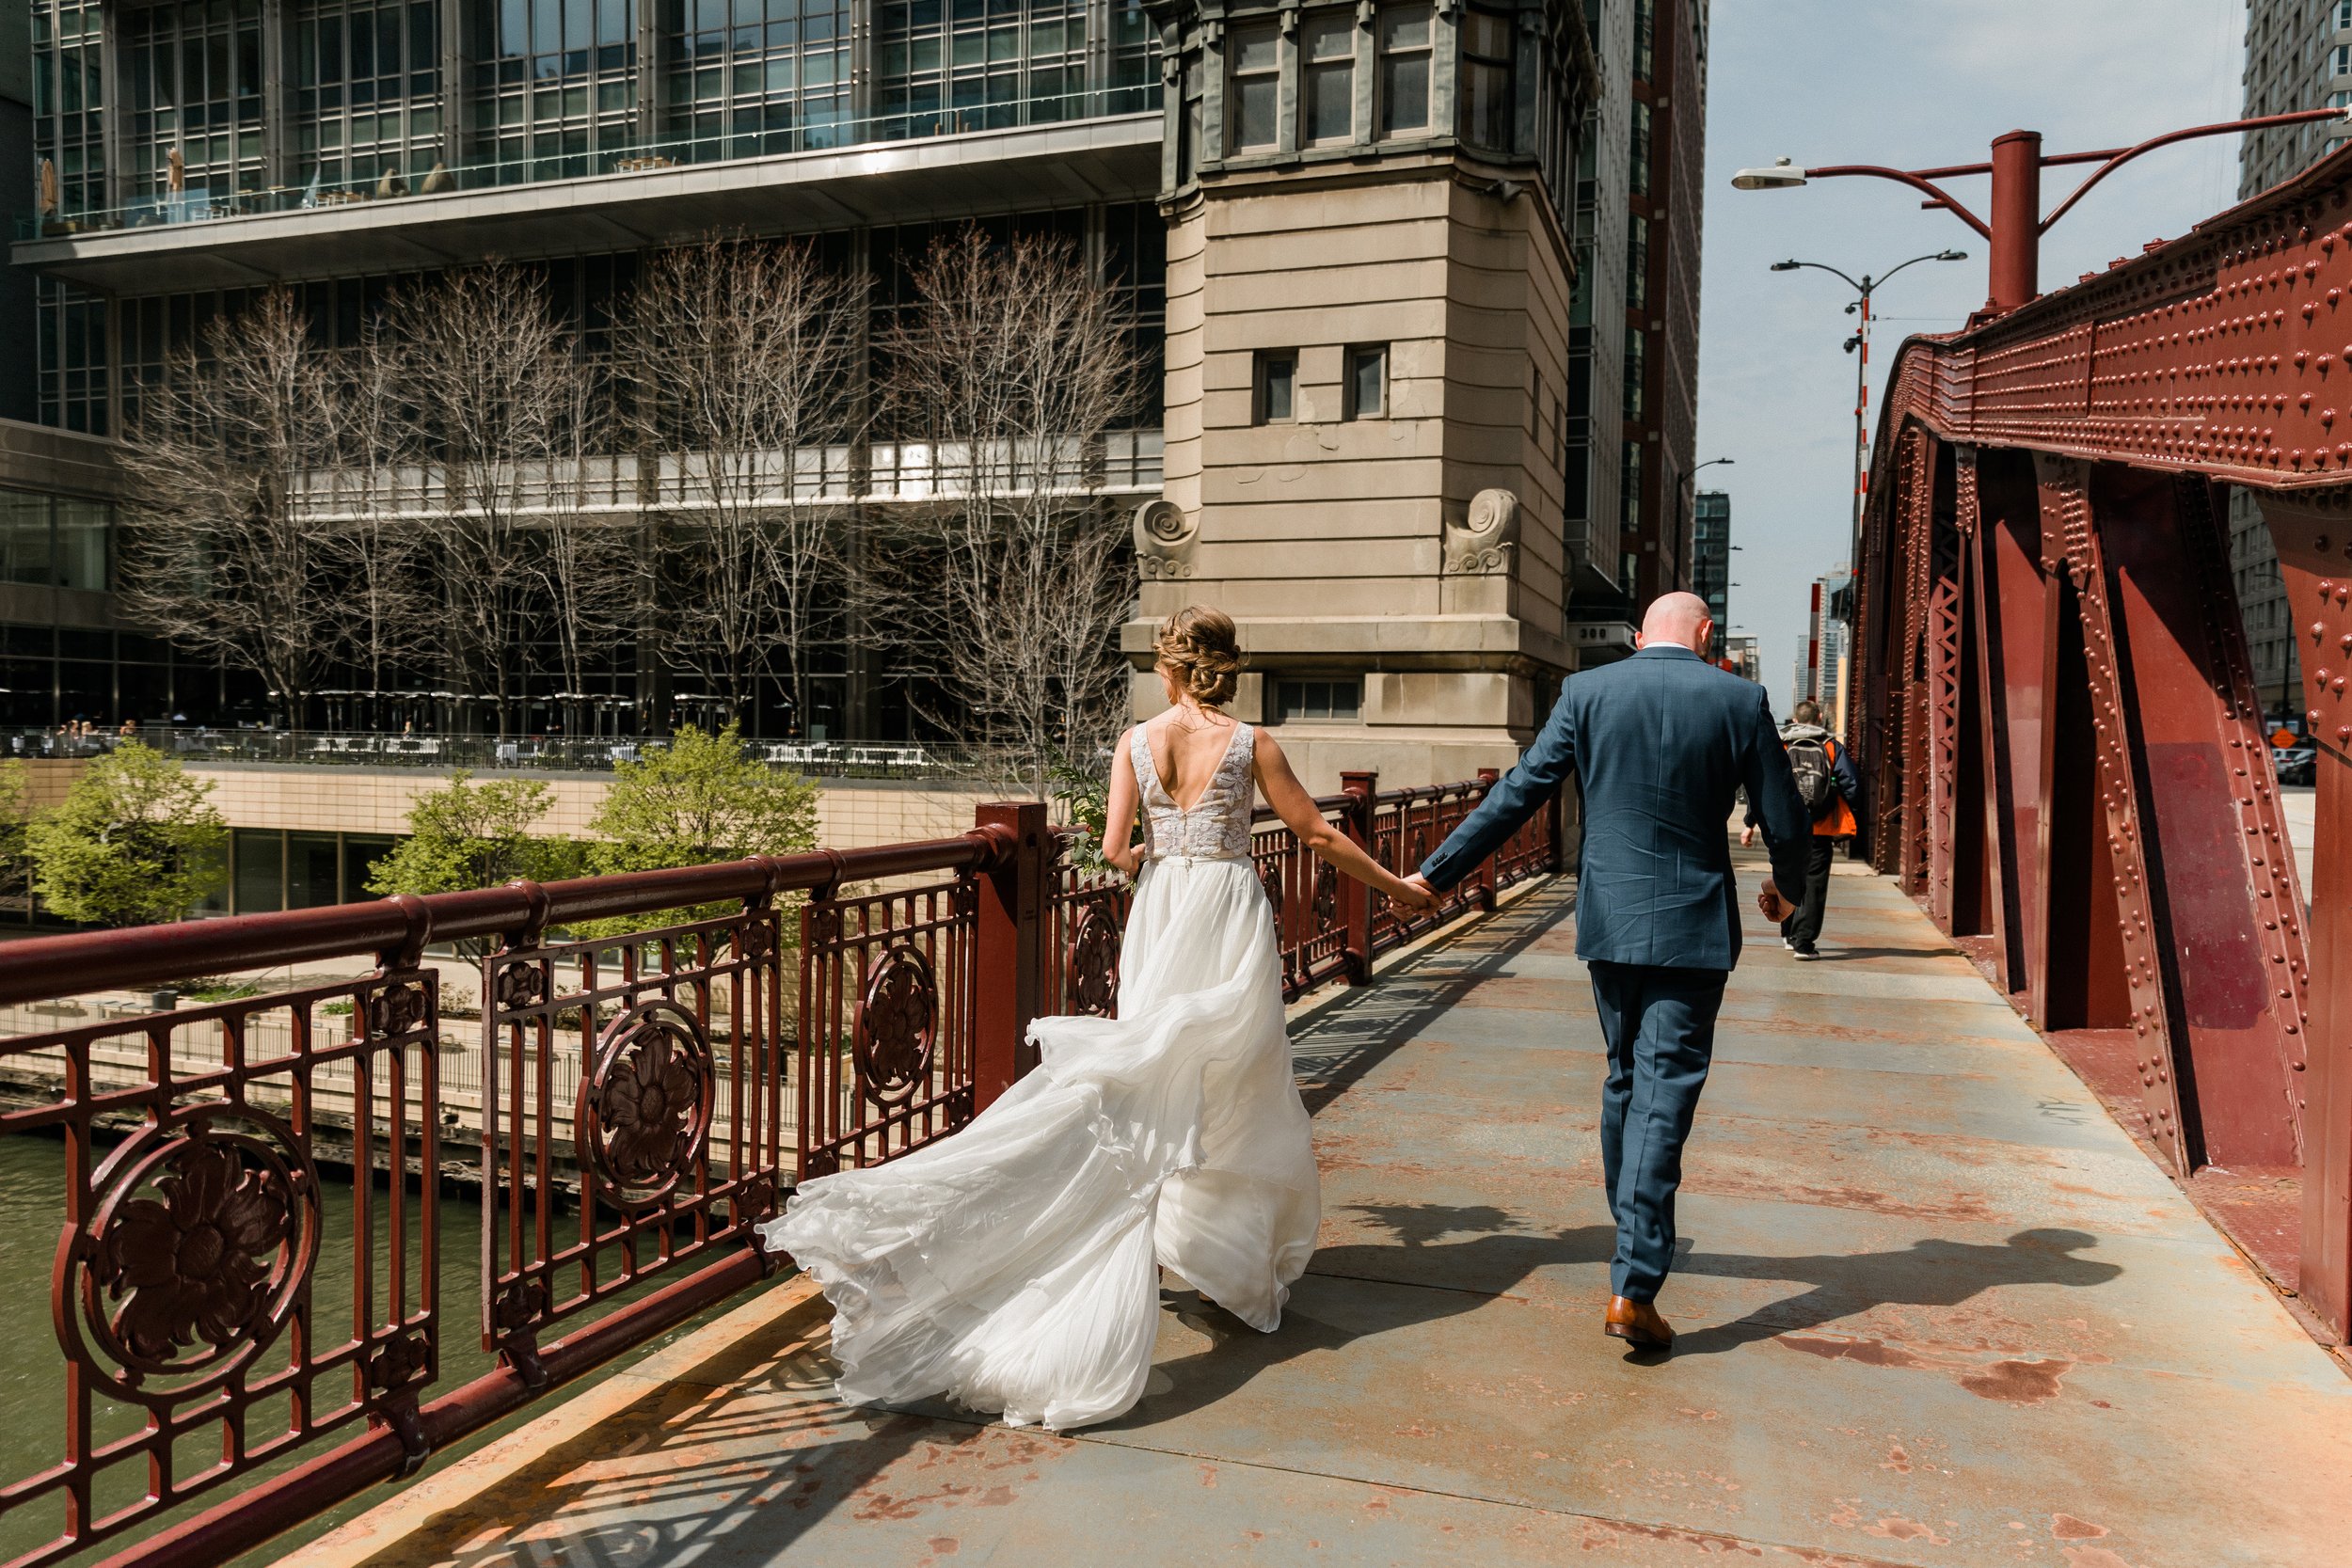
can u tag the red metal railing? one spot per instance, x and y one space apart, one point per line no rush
634 1114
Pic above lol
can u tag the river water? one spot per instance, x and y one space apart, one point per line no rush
32 1366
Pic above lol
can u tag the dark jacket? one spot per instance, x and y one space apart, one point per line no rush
1661 745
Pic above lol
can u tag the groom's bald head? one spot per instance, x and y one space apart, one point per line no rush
1678 619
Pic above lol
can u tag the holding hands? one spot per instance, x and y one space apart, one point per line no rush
1413 892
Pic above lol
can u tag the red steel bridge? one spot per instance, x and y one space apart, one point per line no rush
2053 708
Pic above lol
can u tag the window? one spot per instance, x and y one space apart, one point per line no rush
1637 263
1278 379
1486 83
2339 60
1367 389
1636 363
1322 699
1637 175
2344 16
1257 84
1327 99
1630 486
1404 69
1644 39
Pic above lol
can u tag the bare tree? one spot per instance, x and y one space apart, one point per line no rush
583 556
222 540
1016 362
742 356
490 375
379 567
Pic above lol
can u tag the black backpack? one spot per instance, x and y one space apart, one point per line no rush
1811 759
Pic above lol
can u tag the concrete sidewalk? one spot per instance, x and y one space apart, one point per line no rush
1935 1308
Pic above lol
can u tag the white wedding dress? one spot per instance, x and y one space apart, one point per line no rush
1010 1266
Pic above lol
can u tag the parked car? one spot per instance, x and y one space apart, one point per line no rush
2296 763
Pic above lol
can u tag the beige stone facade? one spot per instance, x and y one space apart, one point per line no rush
1416 556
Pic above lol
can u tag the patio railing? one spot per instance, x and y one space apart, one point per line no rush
641 1101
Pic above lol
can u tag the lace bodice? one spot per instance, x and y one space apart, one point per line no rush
1215 828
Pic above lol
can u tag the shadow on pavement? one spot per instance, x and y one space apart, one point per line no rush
1502 1253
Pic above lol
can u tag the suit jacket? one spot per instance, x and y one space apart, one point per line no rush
1661 744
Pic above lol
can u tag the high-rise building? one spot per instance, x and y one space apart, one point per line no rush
1421 278
1710 559
1742 656
1824 670
2298 55
20 205
1633 341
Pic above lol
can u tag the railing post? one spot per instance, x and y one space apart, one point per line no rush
1485 879
1364 788
1009 951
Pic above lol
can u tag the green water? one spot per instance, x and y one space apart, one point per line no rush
32 1367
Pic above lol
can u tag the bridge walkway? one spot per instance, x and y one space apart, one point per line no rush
1936 1308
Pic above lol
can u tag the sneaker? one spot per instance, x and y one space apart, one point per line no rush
1789 943
1807 951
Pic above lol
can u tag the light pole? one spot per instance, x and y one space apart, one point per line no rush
2014 236
1861 340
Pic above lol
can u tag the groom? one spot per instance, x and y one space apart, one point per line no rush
1659 744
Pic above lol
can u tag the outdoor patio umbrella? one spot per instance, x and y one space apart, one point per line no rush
48 188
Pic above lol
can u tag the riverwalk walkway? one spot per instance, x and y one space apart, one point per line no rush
1936 1308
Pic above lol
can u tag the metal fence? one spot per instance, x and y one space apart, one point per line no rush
645 1099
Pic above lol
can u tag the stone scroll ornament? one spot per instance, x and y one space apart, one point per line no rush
1483 541
1165 540
202 1232
644 1108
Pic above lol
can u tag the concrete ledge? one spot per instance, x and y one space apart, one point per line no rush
713 1358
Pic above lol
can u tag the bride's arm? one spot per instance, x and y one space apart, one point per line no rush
1297 808
1118 815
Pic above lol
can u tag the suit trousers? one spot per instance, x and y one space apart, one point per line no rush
1659 1023
1805 926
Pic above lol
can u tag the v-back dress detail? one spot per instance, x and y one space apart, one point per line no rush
1010 1266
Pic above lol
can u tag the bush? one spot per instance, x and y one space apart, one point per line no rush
466 835
695 801
136 841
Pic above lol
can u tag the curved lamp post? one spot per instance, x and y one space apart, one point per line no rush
1861 340
2014 232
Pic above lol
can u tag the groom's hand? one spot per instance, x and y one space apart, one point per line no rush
1775 909
1423 897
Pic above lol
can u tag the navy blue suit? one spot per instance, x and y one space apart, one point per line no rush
1659 745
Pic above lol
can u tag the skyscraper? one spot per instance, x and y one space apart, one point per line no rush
1710 559
1632 391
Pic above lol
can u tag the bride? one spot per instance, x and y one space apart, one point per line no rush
1011 1267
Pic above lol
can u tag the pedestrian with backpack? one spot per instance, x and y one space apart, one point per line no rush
1826 780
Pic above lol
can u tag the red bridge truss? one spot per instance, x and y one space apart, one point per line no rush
2054 713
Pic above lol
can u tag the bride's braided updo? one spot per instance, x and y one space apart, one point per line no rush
1199 647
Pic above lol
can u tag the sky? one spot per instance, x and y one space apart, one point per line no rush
1913 84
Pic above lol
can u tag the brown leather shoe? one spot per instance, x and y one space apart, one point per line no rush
1638 1323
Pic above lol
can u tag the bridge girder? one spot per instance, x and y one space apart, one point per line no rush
2057 717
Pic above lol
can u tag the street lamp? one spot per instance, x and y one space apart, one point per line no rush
2013 234
1863 288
